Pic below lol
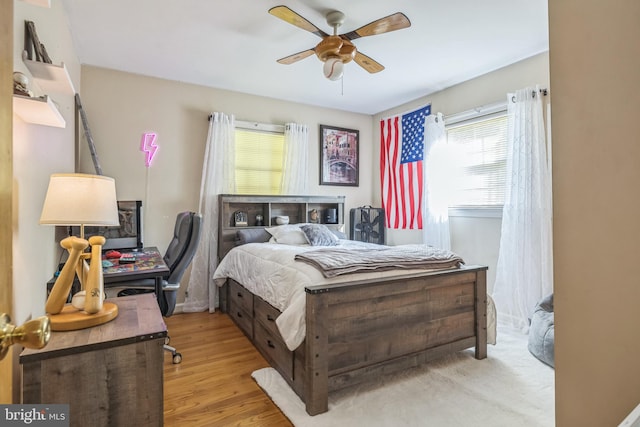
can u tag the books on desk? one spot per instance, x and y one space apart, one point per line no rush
148 260
122 258
127 258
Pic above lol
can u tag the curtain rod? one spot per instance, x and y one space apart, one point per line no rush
543 91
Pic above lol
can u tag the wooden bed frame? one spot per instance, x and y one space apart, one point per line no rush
356 331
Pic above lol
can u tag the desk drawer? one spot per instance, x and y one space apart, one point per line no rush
274 350
240 297
266 314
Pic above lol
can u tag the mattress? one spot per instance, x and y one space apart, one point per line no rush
269 270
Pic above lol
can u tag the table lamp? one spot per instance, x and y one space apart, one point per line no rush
80 199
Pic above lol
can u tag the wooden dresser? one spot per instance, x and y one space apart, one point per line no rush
110 375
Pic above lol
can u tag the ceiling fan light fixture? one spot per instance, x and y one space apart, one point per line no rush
338 47
333 68
347 51
328 47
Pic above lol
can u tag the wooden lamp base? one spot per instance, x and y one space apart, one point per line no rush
71 319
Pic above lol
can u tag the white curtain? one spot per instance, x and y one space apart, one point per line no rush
218 177
524 273
296 159
435 212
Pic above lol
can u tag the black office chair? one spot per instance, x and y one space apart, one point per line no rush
179 254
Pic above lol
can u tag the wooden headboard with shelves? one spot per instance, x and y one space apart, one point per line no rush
297 208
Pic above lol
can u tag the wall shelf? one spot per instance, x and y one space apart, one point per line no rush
50 78
41 111
41 3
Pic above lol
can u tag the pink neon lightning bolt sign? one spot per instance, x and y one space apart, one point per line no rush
148 146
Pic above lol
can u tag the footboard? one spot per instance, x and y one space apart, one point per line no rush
359 330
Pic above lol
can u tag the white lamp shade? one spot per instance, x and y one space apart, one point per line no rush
80 199
333 68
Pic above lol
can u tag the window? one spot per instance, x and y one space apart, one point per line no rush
259 158
480 147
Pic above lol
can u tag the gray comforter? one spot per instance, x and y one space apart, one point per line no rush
334 261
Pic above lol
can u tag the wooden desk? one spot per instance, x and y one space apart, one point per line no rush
110 375
149 265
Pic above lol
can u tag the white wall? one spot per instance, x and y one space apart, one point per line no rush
477 240
39 151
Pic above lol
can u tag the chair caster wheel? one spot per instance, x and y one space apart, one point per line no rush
177 358
166 340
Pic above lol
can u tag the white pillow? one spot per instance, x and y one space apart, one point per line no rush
288 234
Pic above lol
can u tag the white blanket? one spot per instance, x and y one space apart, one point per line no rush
277 278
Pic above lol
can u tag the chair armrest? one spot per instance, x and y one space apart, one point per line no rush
166 286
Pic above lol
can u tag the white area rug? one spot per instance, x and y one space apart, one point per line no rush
509 388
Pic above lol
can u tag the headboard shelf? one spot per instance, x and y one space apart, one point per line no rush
297 208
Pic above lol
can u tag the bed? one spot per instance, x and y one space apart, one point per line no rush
322 334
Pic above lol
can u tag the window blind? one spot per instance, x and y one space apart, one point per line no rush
480 147
259 157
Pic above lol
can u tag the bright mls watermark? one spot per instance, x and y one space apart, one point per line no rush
56 415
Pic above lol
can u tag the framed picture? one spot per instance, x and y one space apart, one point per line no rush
339 161
240 219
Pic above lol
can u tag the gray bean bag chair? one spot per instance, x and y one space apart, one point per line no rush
541 331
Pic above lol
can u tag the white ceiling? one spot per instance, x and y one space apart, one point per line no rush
234 45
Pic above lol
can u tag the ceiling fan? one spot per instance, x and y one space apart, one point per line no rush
337 49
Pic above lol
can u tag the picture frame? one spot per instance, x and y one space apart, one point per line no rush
240 219
339 156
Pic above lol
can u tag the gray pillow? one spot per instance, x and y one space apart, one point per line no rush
252 235
319 235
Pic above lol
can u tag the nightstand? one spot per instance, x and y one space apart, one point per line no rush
111 374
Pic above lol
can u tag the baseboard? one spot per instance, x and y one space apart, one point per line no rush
633 419
179 308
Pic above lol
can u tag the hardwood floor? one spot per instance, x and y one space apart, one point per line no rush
213 385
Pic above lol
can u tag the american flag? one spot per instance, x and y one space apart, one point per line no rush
401 169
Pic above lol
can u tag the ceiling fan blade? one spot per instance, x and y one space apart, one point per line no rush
288 15
296 57
394 22
367 63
